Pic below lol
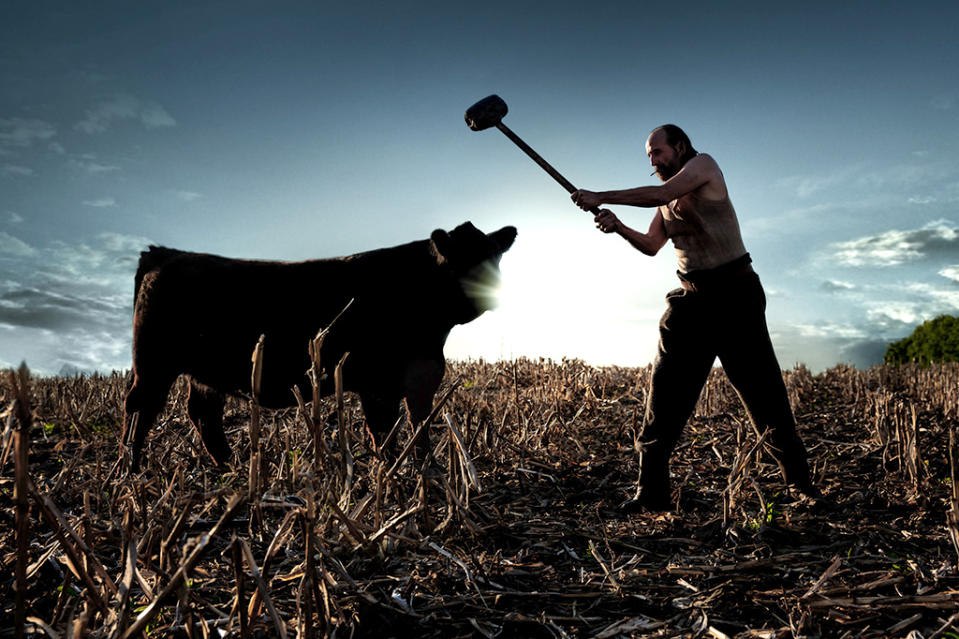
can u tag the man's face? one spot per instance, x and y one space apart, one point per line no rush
662 157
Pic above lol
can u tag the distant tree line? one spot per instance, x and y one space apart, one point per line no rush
934 341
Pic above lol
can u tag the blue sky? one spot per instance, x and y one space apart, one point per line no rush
292 130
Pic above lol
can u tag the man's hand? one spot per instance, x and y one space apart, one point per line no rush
607 222
585 199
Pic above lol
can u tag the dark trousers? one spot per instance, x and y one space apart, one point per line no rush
721 316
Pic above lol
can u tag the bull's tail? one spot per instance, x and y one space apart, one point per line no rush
151 259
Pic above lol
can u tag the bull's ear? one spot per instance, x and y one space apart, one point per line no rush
441 243
504 238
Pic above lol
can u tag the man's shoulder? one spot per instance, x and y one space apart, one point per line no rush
714 183
705 159
706 165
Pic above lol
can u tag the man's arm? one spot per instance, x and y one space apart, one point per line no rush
695 173
647 243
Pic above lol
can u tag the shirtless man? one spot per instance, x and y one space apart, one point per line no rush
719 311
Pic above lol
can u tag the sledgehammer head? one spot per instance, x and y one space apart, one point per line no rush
486 113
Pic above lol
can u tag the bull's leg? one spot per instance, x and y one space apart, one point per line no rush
381 414
423 378
205 408
143 403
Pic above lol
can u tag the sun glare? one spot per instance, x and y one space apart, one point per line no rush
561 300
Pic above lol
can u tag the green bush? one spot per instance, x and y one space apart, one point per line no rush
934 341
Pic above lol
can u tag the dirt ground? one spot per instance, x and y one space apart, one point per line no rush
510 527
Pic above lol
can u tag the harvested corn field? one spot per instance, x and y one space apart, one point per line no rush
508 526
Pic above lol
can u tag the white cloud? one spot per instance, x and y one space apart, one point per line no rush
19 132
69 303
940 300
902 312
952 272
96 167
14 217
837 286
87 163
188 196
78 349
153 116
124 107
889 249
902 307
805 186
921 199
11 246
16 171
896 247
830 329
101 203
862 315
120 243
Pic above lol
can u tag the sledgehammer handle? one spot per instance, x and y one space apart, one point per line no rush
566 184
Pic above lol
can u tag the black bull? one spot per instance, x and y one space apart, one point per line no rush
201 315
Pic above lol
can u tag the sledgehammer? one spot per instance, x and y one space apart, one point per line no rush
489 112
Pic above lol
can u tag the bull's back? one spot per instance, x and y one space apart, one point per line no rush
203 314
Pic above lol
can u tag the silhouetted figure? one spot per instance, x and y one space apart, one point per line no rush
719 311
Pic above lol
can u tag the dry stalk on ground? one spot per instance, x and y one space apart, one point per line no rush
507 525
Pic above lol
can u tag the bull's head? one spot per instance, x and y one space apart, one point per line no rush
472 258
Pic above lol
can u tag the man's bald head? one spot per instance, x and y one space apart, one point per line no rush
669 148
674 138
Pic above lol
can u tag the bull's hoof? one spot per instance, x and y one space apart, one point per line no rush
645 503
222 462
129 460
808 491
812 499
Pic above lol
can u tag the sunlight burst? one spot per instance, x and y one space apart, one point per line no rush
548 305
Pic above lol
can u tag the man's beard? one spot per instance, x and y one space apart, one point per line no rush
665 171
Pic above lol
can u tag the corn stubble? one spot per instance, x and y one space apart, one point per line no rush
505 524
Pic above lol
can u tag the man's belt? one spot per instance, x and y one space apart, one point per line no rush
705 279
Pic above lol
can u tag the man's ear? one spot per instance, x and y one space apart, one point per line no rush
441 243
681 149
